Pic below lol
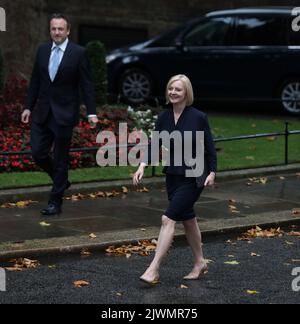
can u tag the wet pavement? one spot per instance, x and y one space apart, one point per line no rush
253 203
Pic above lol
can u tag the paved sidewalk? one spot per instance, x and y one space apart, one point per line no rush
137 215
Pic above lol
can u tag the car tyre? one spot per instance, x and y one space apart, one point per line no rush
290 96
135 86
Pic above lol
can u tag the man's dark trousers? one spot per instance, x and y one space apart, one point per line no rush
50 144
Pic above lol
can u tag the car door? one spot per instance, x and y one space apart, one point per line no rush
259 48
206 57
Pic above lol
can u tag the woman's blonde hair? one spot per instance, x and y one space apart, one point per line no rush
187 85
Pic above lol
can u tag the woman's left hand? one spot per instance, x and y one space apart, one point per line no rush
210 180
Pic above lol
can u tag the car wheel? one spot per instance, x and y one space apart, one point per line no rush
135 86
290 97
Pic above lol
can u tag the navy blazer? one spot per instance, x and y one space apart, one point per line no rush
62 95
190 120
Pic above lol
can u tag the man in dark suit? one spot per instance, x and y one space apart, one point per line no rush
61 68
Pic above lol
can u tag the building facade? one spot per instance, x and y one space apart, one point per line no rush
115 22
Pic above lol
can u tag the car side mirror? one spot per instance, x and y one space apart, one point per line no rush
180 46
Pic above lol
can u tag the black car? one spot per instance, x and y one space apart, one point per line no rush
241 54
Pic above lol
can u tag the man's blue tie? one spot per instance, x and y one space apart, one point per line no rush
55 62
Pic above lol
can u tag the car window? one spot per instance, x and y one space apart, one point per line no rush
260 31
212 32
167 39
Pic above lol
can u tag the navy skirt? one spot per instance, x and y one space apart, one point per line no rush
183 193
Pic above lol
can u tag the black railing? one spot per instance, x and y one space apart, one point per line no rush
286 134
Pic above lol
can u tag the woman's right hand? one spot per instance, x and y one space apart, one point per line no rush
138 176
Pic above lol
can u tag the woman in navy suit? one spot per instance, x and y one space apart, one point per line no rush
183 192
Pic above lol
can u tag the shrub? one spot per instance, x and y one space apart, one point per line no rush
96 53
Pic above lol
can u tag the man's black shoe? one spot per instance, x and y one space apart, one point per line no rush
51 210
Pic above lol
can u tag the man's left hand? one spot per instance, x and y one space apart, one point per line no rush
93 122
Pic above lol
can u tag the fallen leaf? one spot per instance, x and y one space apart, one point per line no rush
252 292
85 252
232 263
81 283
143 248
289 243
294 234
23 263
93 236
271 138
125 190
52 266
142 190
258 232
184 287
45 224
255 254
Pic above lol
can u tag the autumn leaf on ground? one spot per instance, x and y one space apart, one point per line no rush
255 254
85 252
125 190
81 283
92 236
23 263
271 138
232 263
262 180
294 234
289 243
142 190
143 248
45 224
19 204
252 292
184 287
258 232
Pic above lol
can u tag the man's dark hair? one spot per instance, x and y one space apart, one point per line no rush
61 16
